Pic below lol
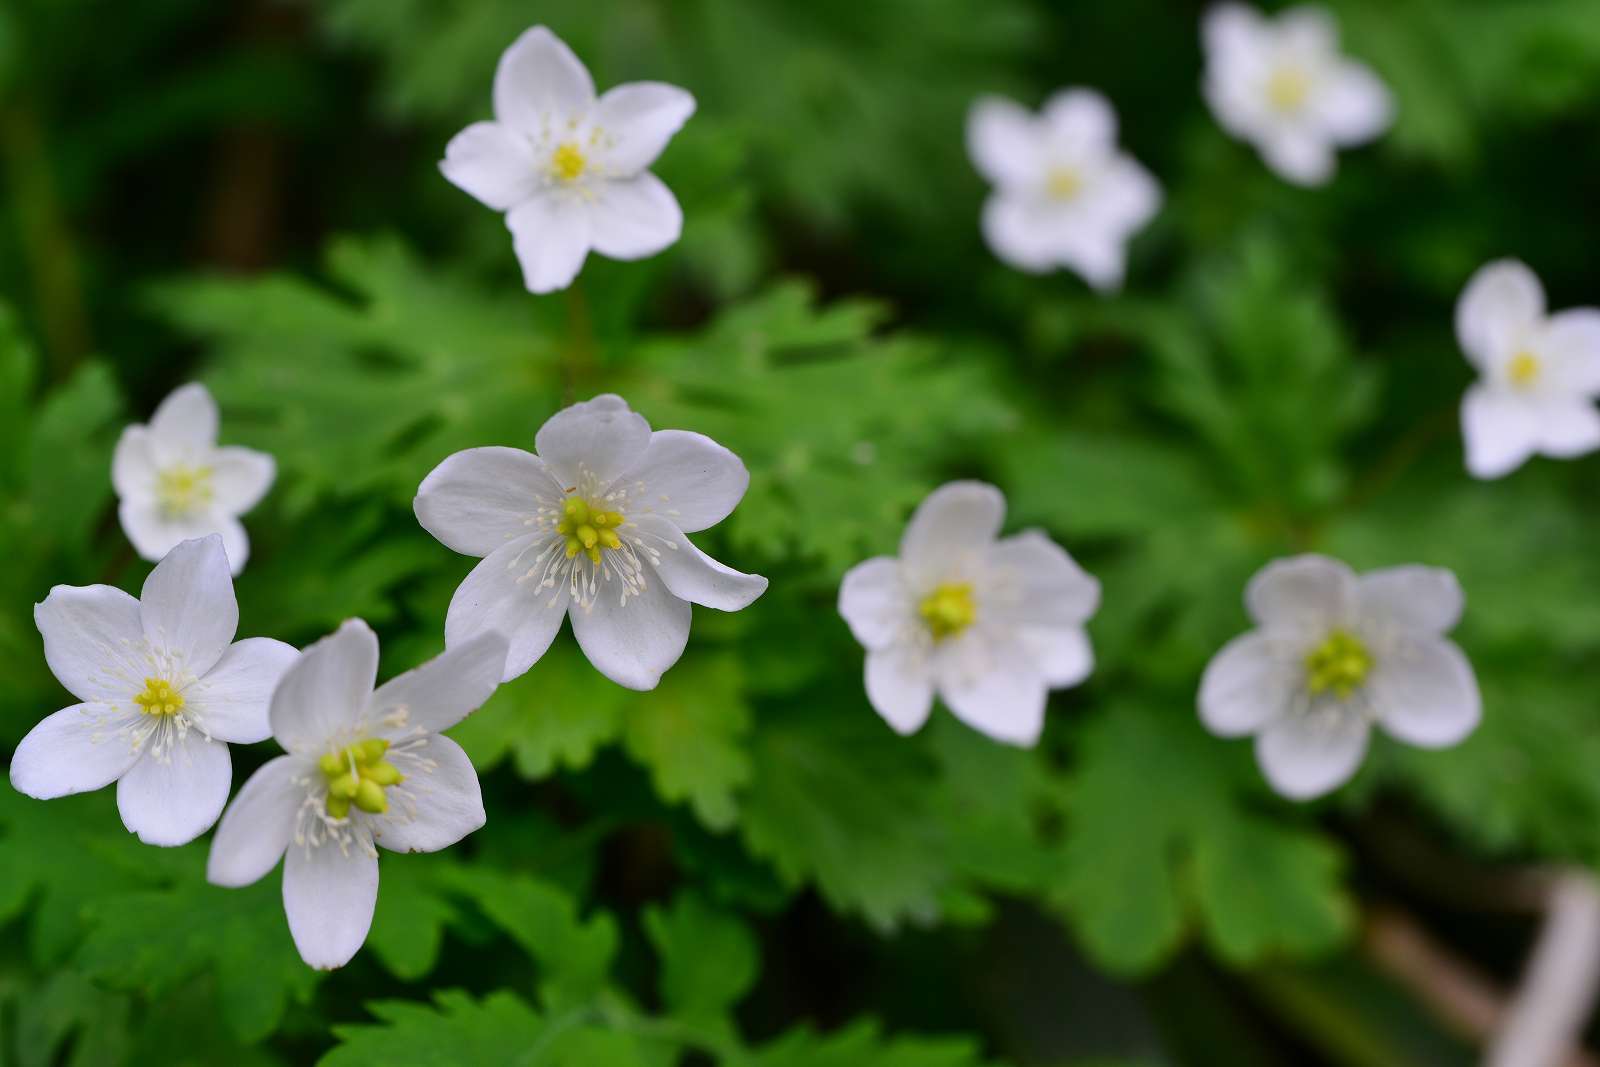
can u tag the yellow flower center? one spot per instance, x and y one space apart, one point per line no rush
1339 665
1288 88
1064 183
1524 369
948 609
159 698
182 489
568 161
589 528
358 774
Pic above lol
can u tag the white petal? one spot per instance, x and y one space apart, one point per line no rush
1230 30
173 797
1570 345
76 750
1247 685
1498 311
1298 155
498 597
257 826
690 574
1004 142
329 894
1308 30
1018 229
1500 431
443 691
899 684
240 477
324 692
1567 426
189 611
478 500
1353 106
1427 599
633 217
633 644
990 685
1308 754
133 464
153 534
1126 197
1097 256
955 524
441 805
184 424
1054 590
230 703
701 481
1425 692
540 85
94 642
875 602
1080 123
551 236
1302 594
595 441
493 164
636 121
1062 655
235 541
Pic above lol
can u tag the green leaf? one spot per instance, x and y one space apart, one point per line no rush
862 1044
690 732
500 1028
709 959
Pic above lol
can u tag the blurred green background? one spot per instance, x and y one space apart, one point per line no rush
745 867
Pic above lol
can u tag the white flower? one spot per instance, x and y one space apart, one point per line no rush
1064 196
570 170
592 526
1282 85
1540 373
364 768
175 484
163 687
991 625
1333 654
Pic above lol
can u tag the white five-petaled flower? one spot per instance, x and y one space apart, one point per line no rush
1282 85
1333 654
592 527
991 625
174 483
163 686
364 768
1540 373
571 171
1064 196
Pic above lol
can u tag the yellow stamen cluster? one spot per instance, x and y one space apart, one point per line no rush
1524 369
358 775
1064 183
1288 88
1339 665
182 489
589 528
159 698
948 610
568 162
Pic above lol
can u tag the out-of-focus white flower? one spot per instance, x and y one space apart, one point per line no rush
364 768
1064 196
175 484
571 171
990 625
1539 373
1282 85
163 686
1334 653
592 526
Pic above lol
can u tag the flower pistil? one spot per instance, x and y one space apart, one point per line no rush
948 610
1339 664
358 774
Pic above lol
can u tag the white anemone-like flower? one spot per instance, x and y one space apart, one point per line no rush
1540 373
1282 85
592 527
570 171
174 484
163 686
364 768
1333 654
990 625
1064 196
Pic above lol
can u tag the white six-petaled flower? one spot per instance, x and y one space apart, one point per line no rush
989 624
592 527
1064 196
571 171
1282 85
1333 654
364 768
174 483
1540 373
163 686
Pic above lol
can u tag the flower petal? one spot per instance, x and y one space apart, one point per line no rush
133 464
498 596
1230 31
1425 692
1247 685
480 499
94 642
257 826
240 477
324 692
875 602
231 702
329 893
1570 344
551 236
595 441
1052 590
76 750
1061 655
1354 106
1500 431
1298 155
439 806
1018 230
1308 754
443 691
1567 426
633 644
1426 599
493 164
1499 309
172 797
1126 197
184 424
690 574
1080 123
540 85
696 482
1004 142
632 218
1097 256
637 120
991 686
1302 594
188 607
899 684
954 525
